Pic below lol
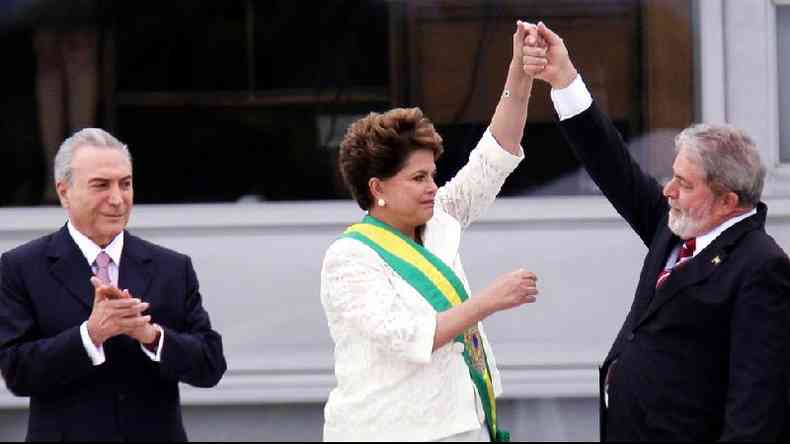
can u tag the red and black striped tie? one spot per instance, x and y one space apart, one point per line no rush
686 251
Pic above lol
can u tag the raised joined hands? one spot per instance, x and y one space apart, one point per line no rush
545 57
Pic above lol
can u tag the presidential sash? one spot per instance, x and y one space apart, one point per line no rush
442 288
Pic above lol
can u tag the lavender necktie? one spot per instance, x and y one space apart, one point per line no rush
103 261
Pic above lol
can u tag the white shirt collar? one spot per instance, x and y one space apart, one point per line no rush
706 239
90 250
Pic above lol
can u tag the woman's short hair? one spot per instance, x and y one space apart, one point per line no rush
378 145
729 159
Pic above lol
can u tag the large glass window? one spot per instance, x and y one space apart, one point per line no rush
783 46
248 100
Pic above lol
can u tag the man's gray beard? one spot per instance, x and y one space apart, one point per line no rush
683 226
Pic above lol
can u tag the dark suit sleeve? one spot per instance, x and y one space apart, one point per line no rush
194 354
759 346
32 365
600 148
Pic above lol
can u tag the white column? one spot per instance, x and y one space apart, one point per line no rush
710 61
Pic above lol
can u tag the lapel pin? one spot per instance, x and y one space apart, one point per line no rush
716 260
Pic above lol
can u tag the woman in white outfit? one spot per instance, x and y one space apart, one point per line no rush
411 359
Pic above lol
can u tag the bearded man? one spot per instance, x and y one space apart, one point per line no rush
703 353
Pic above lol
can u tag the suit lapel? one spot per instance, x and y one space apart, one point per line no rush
665 243
69 267
704 264
691 272
136 267
659 251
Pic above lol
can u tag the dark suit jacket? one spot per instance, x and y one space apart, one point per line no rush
45 295
705 356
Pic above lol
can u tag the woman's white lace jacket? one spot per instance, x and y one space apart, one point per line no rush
390 385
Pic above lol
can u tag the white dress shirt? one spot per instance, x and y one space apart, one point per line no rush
90 250
391 385
572 100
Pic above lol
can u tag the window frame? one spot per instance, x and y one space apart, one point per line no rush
777 5
734 37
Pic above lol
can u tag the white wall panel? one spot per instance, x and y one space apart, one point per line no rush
259 268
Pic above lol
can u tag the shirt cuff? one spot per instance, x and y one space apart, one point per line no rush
493 151
156 357
95 353
571 100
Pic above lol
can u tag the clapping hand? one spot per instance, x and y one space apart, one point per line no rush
115 312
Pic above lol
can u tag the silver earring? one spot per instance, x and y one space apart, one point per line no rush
381 202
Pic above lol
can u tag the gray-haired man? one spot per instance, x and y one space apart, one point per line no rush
98 362
703 353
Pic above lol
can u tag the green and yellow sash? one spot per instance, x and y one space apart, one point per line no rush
442 288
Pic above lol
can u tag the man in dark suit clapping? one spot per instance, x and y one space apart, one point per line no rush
703 353
98 362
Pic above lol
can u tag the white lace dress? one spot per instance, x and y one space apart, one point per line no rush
390 385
